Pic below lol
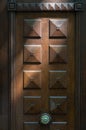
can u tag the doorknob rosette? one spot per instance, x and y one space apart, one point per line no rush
45 119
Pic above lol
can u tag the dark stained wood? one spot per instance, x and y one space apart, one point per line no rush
32 54
32 80
83 66
5 90
33 58
62 126
3 66
31 126
32 105
44 0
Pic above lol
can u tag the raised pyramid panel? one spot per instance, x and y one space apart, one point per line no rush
58 28
32 79
58 104
58 79
58 54
58 126
32 104
32 28
32 54
31 126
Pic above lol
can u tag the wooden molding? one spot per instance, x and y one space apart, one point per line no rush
71 6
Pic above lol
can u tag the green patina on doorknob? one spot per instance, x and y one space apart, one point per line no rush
45 119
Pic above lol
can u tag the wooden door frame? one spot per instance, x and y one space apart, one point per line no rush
80 68
12 27
77 84
12 66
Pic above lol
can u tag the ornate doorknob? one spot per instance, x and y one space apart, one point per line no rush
45 119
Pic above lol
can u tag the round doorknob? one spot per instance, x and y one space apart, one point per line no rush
45 118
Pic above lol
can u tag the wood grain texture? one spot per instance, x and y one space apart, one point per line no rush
45 1
32 28
58 105
32 105
64 107
58 79
82 39
32 79
32 54
58 28
31 126
4 69
43 6
58 126
58 54
3 66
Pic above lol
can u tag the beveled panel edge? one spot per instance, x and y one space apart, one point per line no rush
57 123
60 97
28 97
69 6
60 123
31 123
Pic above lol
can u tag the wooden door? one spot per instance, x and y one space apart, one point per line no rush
44 71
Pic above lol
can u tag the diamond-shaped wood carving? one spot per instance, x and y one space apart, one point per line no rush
31 126
58 28
58 79
58 126
32 104
32 28
32 79
58 104
32 54
58 54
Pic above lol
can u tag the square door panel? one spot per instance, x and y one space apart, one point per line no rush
32 104
58 126
32 79
58 28
58 104
58 54
31 126
58 79
32 28
32 54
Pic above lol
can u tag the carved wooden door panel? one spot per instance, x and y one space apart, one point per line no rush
44 71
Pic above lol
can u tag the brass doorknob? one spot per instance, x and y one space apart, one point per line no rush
45 119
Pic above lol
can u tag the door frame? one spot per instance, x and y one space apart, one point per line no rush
12 16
